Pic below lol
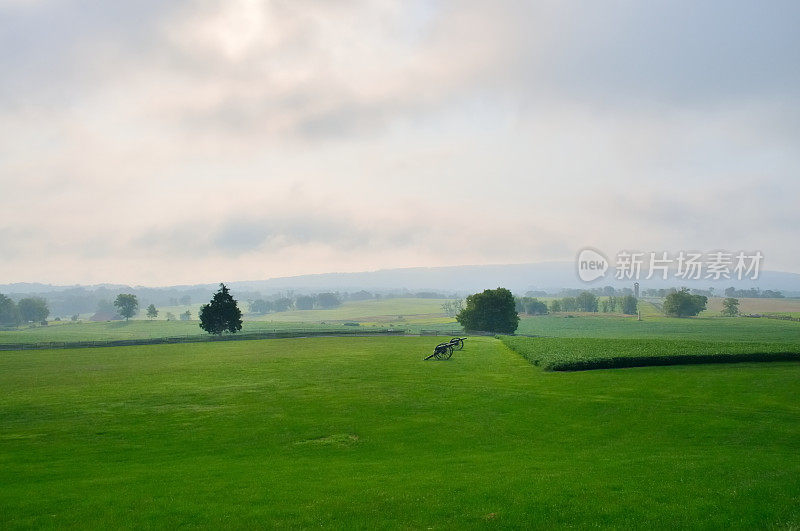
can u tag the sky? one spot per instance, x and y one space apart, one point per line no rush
158 143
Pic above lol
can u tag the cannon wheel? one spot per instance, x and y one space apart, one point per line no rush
446 353
443 351
458 343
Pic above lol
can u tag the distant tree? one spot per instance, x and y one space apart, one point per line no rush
453 307
533 306
569 304
730 307
492 311
555 305
536 293
328 300
361 296
260 306
74 317
9 313
684 304
33 309
186 300
630 306
187 315
152 313
604 305
283 304
221 314
586 301
304 302
127 305
730 292
170 316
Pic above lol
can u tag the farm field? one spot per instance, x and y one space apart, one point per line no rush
402 313
758 306
360 433
593 353
658 326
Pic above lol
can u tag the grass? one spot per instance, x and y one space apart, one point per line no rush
115 330
654 326
570 354
360 433
385 310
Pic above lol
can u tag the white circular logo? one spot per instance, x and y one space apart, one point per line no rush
591 264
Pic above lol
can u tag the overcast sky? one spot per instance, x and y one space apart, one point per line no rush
157 143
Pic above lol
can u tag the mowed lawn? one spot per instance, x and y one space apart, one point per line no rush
361 433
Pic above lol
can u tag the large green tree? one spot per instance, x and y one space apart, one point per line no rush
33 309
684 304
491 311
127 305
221 314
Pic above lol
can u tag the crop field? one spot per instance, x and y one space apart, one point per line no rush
591 353
759 306
658 326
361 433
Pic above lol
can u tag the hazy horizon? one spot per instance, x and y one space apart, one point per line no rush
185 143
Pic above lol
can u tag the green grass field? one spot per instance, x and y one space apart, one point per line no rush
360 433
136 329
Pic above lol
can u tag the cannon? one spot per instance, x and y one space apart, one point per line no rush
443 351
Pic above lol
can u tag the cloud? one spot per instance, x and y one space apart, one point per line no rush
150 141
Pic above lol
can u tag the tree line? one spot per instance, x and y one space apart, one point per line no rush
27 310
584 301
318 301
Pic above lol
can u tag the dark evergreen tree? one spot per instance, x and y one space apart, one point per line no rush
221 314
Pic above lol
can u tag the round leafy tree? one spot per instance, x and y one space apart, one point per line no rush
684 304
221 314
492 311
127 305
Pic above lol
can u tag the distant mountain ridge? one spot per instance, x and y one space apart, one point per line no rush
547 276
